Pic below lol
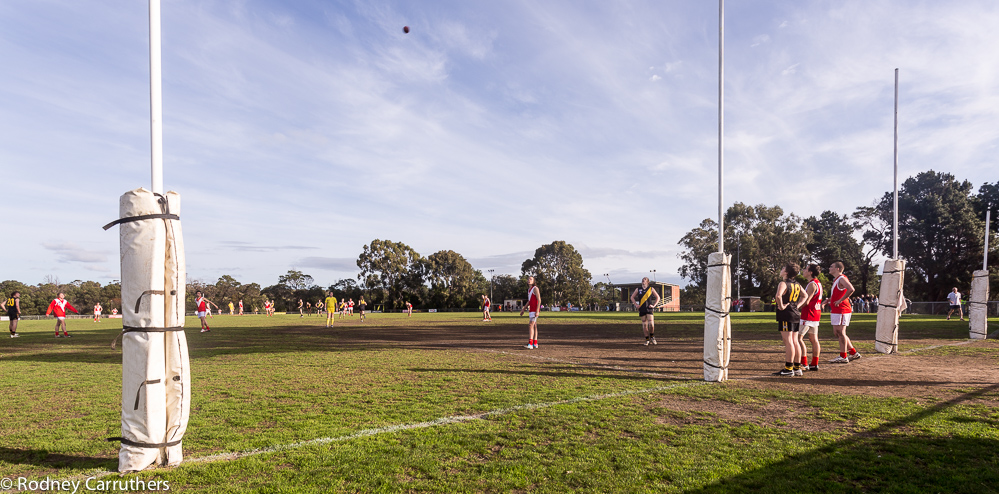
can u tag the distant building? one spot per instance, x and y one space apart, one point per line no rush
670 295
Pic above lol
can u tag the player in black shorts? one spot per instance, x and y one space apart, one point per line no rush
790 297
646 299
13 306
362 307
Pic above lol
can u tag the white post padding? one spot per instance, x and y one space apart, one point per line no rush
717 322
978 308
156 377
891 303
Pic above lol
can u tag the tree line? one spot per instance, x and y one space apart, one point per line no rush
391 274
941 225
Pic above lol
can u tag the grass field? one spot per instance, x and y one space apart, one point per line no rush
447 403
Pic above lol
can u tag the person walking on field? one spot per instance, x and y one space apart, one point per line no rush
301 308
13 306
362 306
58 308
789 299
645 299
330 309
485 308
954 297
232 308
811 313
533 308
240 306
203 308
840 312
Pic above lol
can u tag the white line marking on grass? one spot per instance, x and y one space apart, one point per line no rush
401 427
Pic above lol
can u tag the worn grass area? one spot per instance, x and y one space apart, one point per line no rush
519 422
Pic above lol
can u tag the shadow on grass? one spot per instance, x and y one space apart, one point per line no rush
878 460
46 459
566 372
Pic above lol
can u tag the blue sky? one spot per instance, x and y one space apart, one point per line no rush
297 132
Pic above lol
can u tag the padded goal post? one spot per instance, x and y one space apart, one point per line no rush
978 305
717 322
891 303
156 374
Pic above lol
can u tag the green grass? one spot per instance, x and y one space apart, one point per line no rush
269 382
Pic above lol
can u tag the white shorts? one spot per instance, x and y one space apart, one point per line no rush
840 319
97 313
532 316
202 313
60 318
486 308
807 326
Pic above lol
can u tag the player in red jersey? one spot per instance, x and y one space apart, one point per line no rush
533 308
203 304
811 313
485 308
97 312
240 306
58 308
409 309
840 312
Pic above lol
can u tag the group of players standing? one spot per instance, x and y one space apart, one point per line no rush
798 313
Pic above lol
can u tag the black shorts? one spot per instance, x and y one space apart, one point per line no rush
955 307
645 311
12 314
362 307
788 326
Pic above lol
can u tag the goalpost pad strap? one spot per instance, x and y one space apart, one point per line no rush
144 445
130 329
165 216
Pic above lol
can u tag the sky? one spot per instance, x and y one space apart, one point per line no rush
298 132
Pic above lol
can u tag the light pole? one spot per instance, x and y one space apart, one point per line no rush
738 269
653 271
491 271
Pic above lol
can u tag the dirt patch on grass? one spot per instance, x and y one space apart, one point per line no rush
936 373
783 414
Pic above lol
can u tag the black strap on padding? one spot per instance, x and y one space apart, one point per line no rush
134 329
151 381
150 292
893 345
129 219
715 366
723 314
143 445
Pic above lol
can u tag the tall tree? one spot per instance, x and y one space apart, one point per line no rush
834 239
779 239
939 234
765 237
558 269
506 287
295 280
697 244
452 278
391 266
